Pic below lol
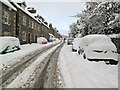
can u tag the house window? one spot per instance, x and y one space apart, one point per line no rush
32 25
29 23
24 36
6 18
24 20
38 28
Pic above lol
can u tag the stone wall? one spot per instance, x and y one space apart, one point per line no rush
10 28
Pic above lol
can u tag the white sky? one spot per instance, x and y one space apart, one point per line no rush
58 13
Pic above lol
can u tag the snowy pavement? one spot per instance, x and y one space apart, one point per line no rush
11 58
81 73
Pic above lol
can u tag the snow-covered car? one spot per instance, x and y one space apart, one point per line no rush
70 40
9 44
98 48
75 45
41 40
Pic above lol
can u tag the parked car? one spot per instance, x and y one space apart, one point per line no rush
41 40
98 48
75 45
9 44
70 40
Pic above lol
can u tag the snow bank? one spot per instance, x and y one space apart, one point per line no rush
81 73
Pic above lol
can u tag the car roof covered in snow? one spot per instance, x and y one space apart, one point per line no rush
86 40
103 45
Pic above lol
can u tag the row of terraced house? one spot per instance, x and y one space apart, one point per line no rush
19 21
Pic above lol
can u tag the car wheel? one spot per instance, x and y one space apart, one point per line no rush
84 56
72 49
78 51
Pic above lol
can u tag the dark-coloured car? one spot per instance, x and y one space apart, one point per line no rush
70 40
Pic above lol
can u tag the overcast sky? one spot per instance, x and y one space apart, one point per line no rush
58 13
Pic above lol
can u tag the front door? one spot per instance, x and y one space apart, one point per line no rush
35 38
29 41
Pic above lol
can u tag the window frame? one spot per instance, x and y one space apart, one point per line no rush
24 36
6 18
24 20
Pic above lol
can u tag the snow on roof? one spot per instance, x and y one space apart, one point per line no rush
18 1
28 13
35 14
6 2
51 34
25 11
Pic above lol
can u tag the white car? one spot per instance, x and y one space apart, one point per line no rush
9 44
98 48
41 40
75 45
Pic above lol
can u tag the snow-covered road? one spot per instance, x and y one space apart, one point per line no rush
26 78
11 58
81 73
14 63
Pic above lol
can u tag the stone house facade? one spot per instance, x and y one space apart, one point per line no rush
28 28
18 22
7 20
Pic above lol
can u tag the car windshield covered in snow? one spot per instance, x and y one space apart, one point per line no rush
9 44
97 48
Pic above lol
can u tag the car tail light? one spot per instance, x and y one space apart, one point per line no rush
45 42
42 42
98 51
